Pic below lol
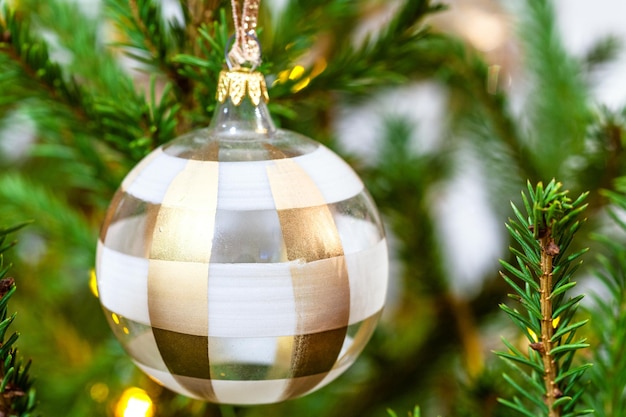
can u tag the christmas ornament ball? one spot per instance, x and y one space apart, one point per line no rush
241 263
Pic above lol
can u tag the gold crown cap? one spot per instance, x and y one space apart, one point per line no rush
239 83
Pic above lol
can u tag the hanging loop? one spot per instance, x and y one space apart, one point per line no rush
235 58
246 49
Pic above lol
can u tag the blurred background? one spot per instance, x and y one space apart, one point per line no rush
445 110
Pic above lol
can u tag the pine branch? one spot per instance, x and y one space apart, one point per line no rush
148 40
378 62
559 102
17 397
492 124
544 234
202 68
602 52
605 153
608 313
130 127
64 225
198 13
29 55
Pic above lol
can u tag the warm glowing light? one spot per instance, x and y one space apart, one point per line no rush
116 318
93 284
282 77
99 392
134 402
125 330
296 73
300 85
486 31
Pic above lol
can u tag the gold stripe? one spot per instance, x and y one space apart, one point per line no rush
321 284
324 285
313 357
187 358
178 274
274 152
307 223
322 295
310 233
200 151
184 354
316 353
195 187
292 187
186 221
183 235
178 296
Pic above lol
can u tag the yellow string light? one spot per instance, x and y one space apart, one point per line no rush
296 73
134 402
99 392
300 85
93 283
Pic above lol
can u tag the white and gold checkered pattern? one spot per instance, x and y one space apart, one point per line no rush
242 282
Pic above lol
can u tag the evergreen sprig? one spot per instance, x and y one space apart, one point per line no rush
374 64
130 126
17 397
548 382
608 314
150 39
558 78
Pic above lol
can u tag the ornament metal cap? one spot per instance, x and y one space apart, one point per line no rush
239 83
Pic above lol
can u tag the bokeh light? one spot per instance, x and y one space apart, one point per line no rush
134 402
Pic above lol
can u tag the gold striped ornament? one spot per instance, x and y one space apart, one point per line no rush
241 263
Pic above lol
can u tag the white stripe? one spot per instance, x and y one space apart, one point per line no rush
150 181
356 235
334 177
245 185
367 272
251 300
257 300
123 284
245 300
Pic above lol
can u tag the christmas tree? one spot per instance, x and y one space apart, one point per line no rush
87 90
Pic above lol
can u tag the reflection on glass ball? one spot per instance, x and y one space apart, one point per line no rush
241 263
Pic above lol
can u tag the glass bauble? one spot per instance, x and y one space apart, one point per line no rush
241 263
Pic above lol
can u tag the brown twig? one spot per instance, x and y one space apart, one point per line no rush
548 251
